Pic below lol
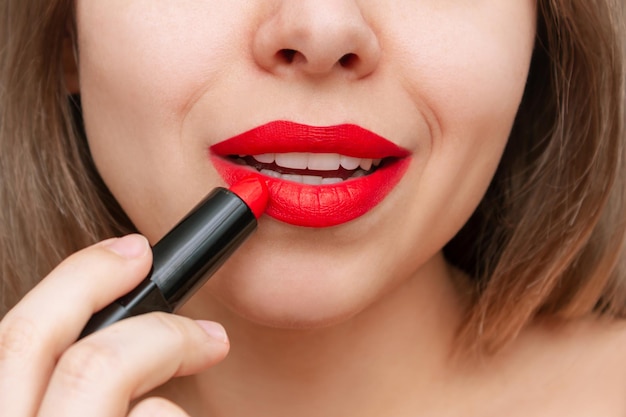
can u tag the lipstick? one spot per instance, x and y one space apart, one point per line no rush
189 254
303 204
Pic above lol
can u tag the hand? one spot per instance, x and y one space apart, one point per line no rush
44 372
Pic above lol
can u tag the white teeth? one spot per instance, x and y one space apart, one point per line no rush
349 162
331 180
324 161
293 160
292 177
270 173
312 179
265 158
366 164
304 179
316 161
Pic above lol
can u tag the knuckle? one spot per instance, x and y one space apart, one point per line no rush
19 337
85 259
77 262
170 324
86 365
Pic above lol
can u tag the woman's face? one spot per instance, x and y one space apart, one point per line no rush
430 87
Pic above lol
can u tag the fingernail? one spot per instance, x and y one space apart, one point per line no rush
214 330
129 246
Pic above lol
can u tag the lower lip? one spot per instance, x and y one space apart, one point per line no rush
320 205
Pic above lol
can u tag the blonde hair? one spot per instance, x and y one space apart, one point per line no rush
547 239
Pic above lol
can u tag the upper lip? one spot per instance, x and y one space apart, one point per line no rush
284 136
331 190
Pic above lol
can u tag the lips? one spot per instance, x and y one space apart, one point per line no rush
317 176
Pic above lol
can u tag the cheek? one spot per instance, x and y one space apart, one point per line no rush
142 69
140 72
472 74
470 79
155 53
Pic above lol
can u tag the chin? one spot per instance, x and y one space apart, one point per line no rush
287 304
289 313
307 294
297 278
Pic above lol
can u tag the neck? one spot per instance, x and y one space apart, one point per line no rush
396 349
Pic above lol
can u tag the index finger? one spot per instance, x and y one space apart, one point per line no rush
49 318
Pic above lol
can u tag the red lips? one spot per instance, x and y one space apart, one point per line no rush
315 205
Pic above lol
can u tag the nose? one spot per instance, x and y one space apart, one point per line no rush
316 38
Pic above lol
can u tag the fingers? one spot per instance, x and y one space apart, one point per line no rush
48 320
100 375
157 407
82 284
43 372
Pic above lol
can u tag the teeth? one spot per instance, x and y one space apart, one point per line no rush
271 173
292 177
366 164
312 179
324 161
292 160
304 179
316 161
331 181
349 162
265 158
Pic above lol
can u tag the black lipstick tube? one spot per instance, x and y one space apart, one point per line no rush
185 258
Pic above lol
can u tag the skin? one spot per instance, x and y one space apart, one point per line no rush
357 319
153 107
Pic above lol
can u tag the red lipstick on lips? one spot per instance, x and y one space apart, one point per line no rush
351 192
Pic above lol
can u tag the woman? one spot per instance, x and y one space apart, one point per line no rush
478 270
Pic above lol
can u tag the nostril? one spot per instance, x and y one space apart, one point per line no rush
287 55
348 60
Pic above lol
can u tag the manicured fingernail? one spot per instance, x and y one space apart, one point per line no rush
214 330
129 246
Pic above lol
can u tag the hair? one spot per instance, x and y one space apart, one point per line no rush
546 240
53 201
